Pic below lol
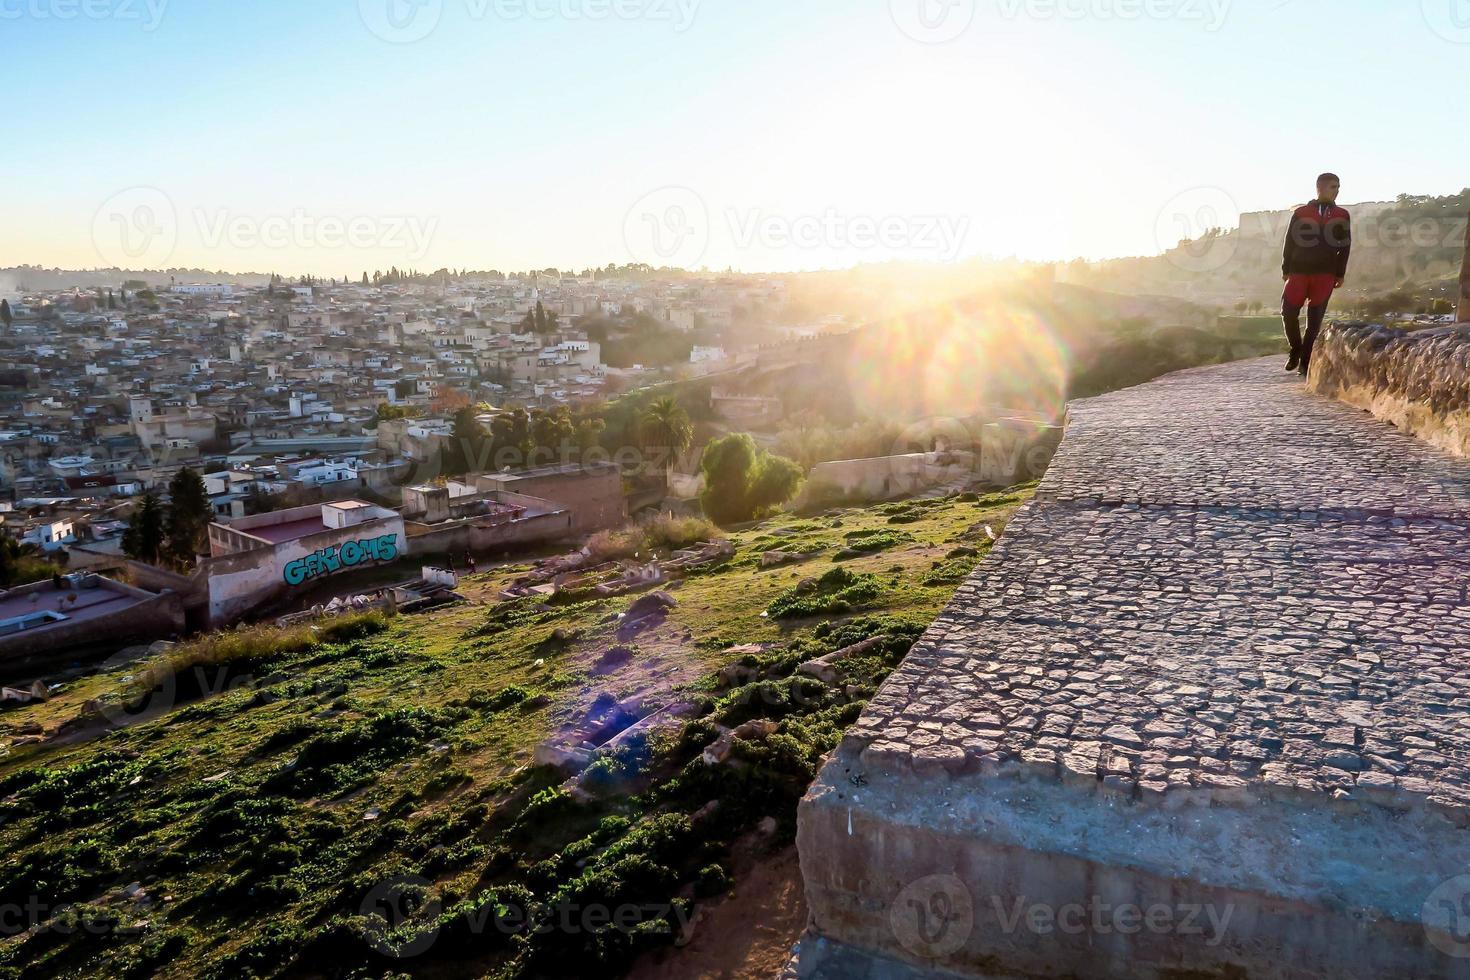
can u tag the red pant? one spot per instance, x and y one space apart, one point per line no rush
1309 290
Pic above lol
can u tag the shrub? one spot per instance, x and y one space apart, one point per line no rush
663 533
712 881
338 759
742 481
838 591
506 697
951 572
671 533
871 543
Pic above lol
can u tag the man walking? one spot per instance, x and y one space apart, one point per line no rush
1318 244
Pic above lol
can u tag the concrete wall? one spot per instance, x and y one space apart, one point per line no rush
1001 453
1417 380
885 477
477 537
593 494
192 589
1013 877
243 582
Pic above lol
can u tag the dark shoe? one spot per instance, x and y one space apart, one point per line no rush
1295 362
1302 370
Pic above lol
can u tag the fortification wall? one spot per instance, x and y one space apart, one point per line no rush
1417 380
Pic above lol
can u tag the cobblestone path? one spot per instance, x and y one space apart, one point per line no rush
1225 585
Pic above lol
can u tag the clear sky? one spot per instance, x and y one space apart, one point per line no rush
337 136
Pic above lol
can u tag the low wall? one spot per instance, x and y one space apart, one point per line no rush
242 583
1015 875
1001 453
457 537
1417 380
885 477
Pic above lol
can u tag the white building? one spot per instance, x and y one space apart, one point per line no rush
324 473
51 537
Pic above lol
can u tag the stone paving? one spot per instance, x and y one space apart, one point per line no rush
1226 587
1222 662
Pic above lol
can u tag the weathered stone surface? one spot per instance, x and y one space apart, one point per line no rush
1464 311
1417 380
1226 646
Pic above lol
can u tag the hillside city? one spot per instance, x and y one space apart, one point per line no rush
485 414
295 391
646 490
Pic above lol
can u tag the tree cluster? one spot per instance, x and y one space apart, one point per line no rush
518 439
743 481
173 534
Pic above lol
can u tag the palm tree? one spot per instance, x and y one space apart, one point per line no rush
666 426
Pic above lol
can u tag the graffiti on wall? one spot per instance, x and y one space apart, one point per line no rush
349 554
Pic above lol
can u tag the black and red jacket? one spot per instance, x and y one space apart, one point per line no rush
1318 241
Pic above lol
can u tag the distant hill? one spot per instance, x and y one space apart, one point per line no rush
1415 244
32 278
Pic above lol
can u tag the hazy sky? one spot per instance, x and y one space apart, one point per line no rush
334 136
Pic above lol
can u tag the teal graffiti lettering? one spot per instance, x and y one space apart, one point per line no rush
347 555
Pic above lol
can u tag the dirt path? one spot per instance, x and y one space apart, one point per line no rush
747 935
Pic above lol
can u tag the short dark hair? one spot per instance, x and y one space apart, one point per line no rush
1326 177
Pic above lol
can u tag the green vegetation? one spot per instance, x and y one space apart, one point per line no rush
358 797
873 541
1413 244
811 441
186 526
839 591
144 538
23 564
390 413
1135 351
743 481
666 429
644 339
174 534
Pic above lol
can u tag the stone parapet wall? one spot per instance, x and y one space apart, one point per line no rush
1417 380
1202 713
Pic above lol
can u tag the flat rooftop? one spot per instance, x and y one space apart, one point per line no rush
102 600
289 531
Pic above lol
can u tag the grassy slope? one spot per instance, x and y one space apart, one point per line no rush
263 820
